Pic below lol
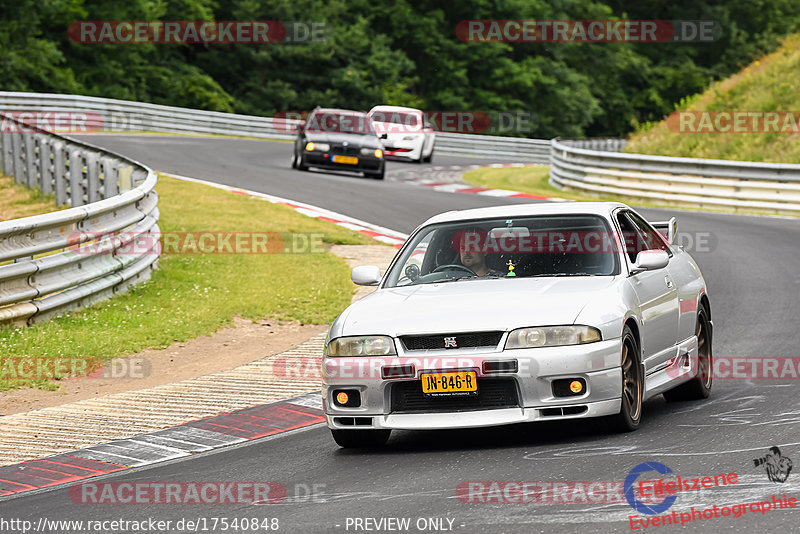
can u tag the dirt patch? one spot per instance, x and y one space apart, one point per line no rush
242 343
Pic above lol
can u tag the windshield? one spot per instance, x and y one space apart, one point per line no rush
396 117
552 245
339 122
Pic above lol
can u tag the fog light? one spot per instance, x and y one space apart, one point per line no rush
348 398
569 387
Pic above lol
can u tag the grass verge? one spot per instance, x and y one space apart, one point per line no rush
768 84
195 295
18 201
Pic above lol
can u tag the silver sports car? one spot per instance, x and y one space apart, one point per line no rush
519 313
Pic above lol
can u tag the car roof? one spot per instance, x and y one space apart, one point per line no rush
342 111
603 209
395 108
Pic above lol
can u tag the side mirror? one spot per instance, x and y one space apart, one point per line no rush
650 260
366 275
384 136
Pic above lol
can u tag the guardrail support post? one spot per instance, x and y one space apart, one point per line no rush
31 161
16 141
59 173
3 150
76 179
92 178
110 177
45 166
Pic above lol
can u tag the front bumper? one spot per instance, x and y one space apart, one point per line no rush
597 363
321 160
480 418
405 149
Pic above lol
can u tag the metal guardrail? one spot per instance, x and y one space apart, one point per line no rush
107 114
508 148
597 166
105 242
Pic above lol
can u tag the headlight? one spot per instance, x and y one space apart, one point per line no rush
320 147
377 152
552 336
361 346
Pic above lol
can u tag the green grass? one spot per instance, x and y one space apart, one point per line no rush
195 295
18 201
524 179
769 84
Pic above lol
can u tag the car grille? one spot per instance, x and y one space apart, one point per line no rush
468 340
345 150
407 397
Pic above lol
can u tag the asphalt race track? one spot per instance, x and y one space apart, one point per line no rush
751 265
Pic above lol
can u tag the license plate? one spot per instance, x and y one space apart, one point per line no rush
450 383
347 160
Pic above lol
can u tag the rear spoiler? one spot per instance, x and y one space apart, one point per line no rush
668 228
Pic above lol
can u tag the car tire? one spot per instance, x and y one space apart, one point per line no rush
301 164
630 413
428 158
360 439
699 387
294 160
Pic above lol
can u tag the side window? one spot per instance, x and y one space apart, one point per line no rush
631 237
652 238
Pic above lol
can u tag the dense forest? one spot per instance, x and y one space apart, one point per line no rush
399 52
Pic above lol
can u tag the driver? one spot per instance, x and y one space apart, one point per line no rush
472 258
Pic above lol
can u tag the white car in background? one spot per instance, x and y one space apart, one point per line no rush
409 135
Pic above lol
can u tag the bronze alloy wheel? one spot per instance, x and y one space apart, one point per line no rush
631 381
630 410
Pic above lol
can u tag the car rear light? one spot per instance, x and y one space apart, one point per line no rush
506 366
398 371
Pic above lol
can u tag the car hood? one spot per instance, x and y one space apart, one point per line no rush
470 305
354 140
